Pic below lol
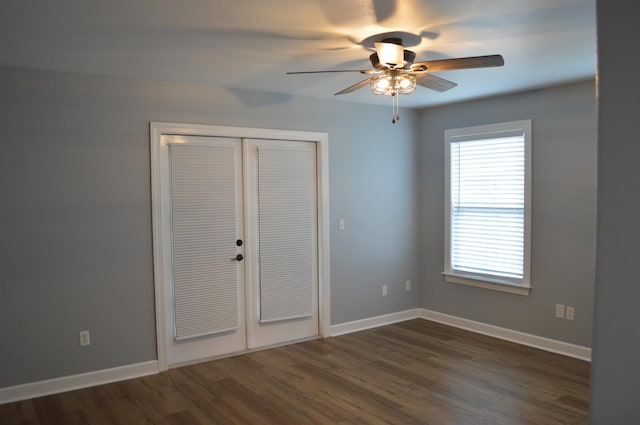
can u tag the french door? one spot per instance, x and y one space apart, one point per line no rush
281 217
240 234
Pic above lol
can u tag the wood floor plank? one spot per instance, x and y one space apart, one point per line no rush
414 372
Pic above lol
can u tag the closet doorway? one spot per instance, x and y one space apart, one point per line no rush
240 239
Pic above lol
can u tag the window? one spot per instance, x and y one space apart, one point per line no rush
487 206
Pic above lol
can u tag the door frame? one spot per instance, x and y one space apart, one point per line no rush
159 207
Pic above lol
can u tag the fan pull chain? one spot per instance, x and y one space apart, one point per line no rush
395 111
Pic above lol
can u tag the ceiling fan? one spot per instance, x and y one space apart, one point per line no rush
395 72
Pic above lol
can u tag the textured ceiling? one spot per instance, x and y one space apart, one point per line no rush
250 44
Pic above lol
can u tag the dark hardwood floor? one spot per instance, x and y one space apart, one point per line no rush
415 372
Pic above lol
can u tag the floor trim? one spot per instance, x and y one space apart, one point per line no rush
546 344
74 382
90 379
374 322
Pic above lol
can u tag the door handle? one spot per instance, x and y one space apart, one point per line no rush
238 257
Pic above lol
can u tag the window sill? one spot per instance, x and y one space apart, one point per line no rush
486 284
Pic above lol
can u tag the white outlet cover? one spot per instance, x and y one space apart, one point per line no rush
570 312
85 338
385 290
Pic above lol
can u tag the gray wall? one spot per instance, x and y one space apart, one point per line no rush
75 251
563 215
615 396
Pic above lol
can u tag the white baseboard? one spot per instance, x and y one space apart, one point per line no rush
546 344
74 382
373 322
90 379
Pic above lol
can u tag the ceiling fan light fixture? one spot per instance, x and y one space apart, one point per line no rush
393 83
407 82
381 85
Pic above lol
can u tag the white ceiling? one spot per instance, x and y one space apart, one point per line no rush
250 44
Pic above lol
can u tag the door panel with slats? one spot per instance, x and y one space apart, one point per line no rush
286 226
207 288
281 221
220 190
203 228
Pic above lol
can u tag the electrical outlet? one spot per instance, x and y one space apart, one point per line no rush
385 290
341 224
407 285
569 313
85 338
560 311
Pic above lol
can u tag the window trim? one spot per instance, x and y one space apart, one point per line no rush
485 132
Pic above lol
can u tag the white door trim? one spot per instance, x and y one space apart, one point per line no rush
157 130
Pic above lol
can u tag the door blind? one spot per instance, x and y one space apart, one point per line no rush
286 232
203 227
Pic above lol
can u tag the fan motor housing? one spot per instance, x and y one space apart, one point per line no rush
409 57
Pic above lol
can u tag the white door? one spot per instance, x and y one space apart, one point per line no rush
226 197
281 221
205 292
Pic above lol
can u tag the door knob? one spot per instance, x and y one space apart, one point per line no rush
238 257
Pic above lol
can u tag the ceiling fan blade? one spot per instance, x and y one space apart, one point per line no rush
461 63
361 71
434 83
356 86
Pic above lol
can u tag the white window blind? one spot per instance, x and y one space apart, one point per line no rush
286 232
203 227
488 206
